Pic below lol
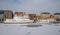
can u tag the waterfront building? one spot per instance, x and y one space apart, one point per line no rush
32 16
52 18
8 16
45 15
58 16
19 13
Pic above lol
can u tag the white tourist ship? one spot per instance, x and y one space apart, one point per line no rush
19 19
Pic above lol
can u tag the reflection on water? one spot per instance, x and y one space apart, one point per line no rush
42 24
33 25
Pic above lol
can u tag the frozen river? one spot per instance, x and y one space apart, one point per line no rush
17 29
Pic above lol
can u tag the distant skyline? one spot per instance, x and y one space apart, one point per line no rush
31 6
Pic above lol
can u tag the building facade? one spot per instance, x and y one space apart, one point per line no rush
19 13
32 16
8 14
58 16
45 15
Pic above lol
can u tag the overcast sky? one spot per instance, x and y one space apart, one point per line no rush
31 6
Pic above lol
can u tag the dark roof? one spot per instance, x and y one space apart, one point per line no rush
7 10
56 13
2 11
45 13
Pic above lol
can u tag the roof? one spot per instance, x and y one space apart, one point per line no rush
32 14
2 11
56 13
19 12
45 13
7 10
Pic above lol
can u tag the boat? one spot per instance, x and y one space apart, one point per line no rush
19 20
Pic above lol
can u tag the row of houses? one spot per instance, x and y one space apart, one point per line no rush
6 15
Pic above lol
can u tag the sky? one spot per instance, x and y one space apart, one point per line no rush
31 6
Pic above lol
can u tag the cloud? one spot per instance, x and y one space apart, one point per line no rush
31 6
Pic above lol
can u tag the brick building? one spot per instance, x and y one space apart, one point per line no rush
8 14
